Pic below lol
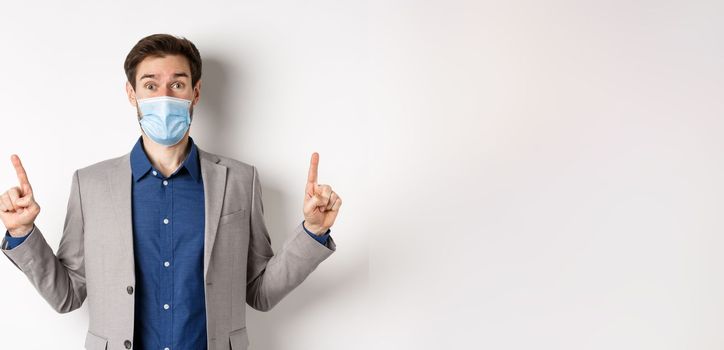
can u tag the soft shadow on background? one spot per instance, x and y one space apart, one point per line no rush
219 132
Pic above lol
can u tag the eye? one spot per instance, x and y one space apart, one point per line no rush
150 86
177 85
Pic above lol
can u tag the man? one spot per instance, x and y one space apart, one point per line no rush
167 242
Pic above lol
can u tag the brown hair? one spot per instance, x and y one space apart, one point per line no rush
160 45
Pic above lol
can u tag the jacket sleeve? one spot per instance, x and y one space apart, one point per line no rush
11 242
59 279
270 277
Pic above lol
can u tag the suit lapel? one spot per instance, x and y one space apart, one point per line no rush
120 178
214 177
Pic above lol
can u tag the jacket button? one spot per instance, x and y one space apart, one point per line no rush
127 344
129 289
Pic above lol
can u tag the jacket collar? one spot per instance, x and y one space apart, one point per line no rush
140 164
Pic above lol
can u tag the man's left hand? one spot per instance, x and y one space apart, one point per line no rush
321 204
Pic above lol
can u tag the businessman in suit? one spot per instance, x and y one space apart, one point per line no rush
166 242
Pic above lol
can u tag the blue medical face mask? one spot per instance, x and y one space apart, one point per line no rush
165 119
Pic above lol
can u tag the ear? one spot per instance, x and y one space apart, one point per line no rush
131 94
197 92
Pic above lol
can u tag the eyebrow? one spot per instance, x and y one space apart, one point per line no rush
153 76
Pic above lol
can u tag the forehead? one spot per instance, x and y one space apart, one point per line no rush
165 66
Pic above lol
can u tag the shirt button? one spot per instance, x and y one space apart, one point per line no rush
165 221
127 344
129 289
166 263
165 182
165 306
166 349
154 173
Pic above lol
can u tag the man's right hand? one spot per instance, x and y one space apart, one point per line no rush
18 208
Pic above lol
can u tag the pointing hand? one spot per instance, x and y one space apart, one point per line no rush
321 204
18 208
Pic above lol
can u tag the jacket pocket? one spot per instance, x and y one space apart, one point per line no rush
239 339
232 217
94 342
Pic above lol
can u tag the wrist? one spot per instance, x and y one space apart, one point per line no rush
317 230
21 230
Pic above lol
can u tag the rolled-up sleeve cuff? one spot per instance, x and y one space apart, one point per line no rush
322 239
11 242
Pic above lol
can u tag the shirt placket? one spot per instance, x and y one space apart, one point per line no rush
167 225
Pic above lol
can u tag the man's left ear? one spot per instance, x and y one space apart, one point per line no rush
197 92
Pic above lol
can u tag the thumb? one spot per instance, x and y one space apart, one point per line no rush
312 203
24 201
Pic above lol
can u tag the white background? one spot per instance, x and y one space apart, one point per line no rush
515 174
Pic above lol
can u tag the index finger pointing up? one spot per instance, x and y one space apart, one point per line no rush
22 175
313 164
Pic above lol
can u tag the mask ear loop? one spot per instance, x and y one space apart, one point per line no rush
138 113
138 109
191 112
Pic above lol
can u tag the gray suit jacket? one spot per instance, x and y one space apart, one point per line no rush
95 256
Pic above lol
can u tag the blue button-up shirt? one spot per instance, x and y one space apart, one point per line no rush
168 241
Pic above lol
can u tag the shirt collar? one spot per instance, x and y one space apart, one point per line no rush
140 165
